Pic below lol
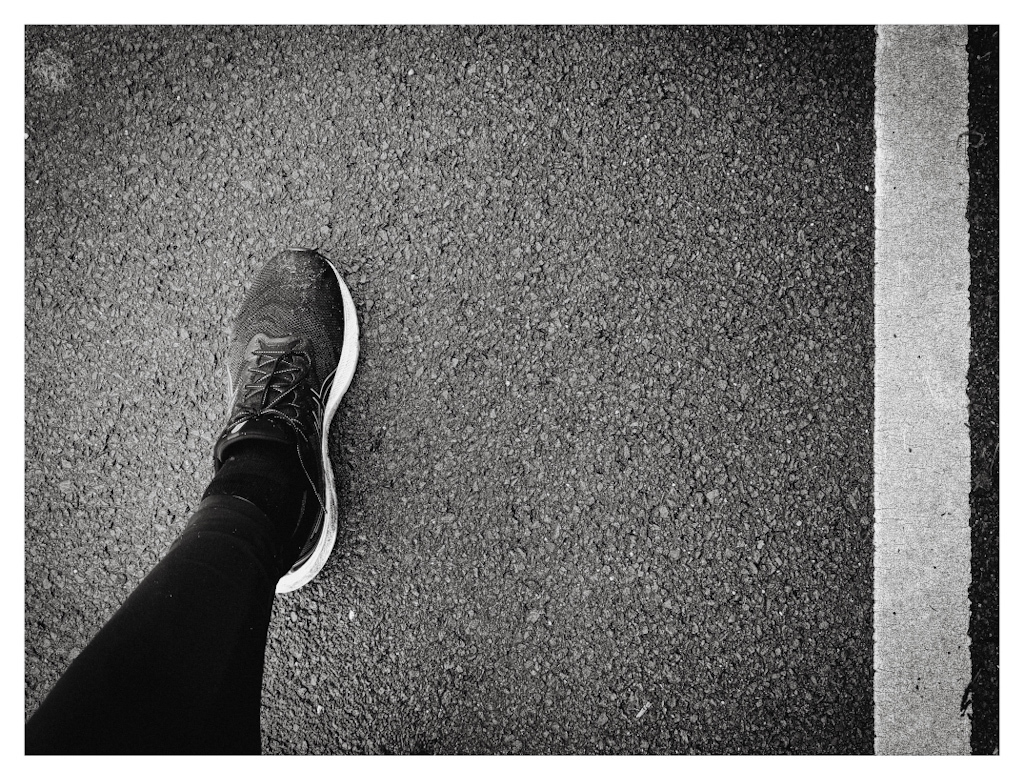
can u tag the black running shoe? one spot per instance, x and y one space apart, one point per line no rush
292 356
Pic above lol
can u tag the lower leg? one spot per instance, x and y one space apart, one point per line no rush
179 667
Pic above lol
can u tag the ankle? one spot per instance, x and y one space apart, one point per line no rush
268 475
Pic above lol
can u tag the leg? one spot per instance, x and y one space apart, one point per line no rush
179 666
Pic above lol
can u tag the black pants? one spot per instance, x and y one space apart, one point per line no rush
179 667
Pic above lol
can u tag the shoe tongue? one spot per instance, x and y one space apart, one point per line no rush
258 429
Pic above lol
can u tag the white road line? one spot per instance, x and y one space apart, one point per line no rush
922 340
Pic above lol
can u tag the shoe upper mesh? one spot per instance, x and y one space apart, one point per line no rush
296 294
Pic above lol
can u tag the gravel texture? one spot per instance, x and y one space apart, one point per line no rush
606 462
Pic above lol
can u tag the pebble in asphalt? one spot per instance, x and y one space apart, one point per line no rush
606 462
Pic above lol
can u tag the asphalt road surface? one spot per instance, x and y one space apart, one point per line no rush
606 463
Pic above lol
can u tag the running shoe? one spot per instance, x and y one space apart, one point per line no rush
292 356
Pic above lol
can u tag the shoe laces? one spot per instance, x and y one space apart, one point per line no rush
275 382
275 389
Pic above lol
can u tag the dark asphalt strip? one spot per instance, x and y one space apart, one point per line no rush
983 385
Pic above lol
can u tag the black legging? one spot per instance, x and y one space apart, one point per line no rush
179 667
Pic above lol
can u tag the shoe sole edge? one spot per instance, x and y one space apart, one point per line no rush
346 369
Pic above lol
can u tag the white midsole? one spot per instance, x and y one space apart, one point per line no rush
342 379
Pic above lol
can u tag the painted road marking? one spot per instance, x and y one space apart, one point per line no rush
922 341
